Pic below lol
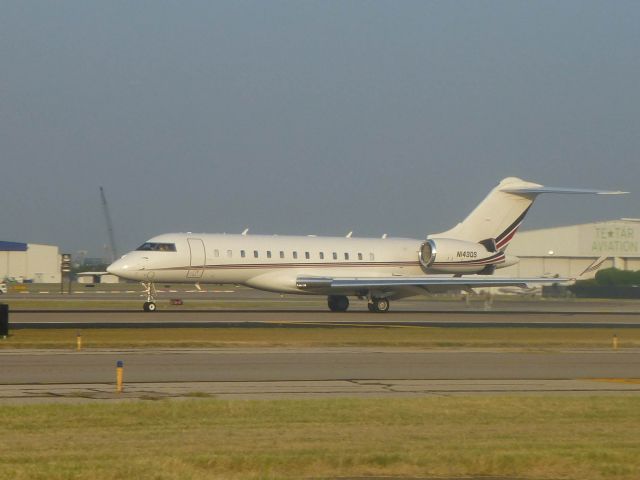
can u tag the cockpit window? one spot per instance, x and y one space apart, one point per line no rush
157 247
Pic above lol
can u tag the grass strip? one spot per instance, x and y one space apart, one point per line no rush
590 438
418 337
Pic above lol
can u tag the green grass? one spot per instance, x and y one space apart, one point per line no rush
589 438
418 337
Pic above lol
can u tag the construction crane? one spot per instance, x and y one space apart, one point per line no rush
112 241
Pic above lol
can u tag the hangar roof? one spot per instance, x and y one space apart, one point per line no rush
12 247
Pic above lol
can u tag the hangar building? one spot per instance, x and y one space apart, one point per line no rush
29 262
567 251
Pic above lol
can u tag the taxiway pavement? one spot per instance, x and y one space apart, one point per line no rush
310 318
91 392
336 363
270 373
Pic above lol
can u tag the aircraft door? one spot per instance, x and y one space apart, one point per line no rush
198 258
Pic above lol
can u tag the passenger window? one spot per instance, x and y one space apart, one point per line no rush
321 255
268 253
295 254
335 256
216 253
281 254
242 253
306 255
229 254
372 257
346 256
359 256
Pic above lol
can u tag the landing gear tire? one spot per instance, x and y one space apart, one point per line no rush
379 305
150 292
149 307
338 303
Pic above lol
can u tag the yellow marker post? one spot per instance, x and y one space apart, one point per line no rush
119 369
615 342
78 341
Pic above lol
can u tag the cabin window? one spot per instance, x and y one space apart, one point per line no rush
306 255
255 254
321 254
295 254
359 256
242 253
268 253
229 254
281 254
335 256
216 253
372 257
346 256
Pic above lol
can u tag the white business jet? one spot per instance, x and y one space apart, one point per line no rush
378 269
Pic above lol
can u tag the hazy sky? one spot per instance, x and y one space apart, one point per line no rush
309 117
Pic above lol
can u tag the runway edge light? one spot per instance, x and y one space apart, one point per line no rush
119 369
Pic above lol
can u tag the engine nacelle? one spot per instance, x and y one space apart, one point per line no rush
447 255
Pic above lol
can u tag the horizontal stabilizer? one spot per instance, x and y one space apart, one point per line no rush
595 265
541 189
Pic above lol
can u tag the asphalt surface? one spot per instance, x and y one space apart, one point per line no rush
242 365
43 375
309 318
312 372
233 297
91 392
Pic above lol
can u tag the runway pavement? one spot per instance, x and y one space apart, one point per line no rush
337 363
91 392
305 318
233 297
43 375
313 372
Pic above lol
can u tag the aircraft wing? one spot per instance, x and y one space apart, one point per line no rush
446 281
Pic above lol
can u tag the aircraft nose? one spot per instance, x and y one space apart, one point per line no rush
117 267
121 267
128 266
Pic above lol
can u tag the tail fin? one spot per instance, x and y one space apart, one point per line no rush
497 218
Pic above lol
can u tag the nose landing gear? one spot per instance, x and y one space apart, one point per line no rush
150 291
149 306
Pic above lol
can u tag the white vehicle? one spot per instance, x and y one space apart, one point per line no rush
379 269
3 287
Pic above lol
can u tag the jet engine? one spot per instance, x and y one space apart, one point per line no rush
446 255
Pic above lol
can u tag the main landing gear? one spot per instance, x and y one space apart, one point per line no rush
150 290
338 303
378 305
